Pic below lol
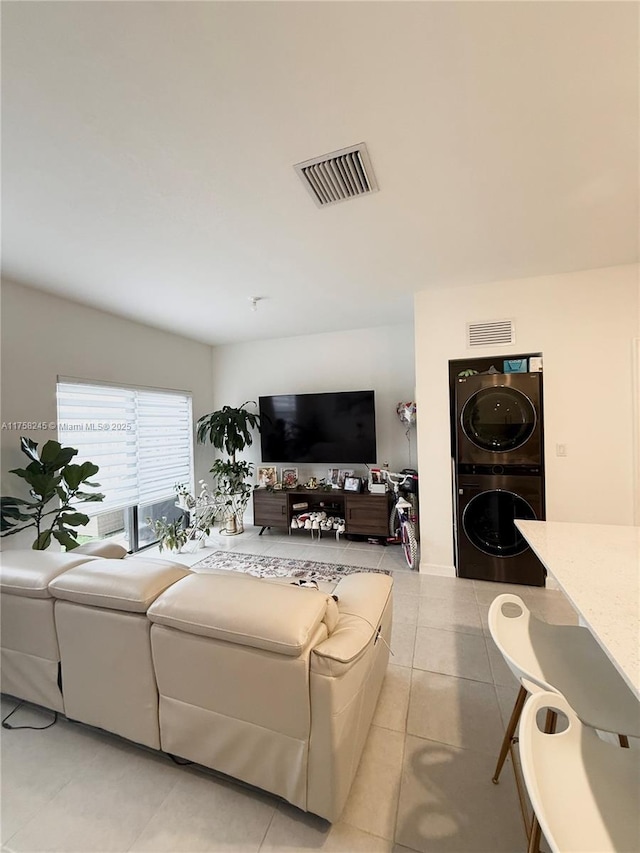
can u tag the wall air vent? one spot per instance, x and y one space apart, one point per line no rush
490 334
338 176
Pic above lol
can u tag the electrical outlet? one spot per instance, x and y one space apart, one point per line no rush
561 449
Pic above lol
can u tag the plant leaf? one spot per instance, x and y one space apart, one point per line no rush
11 514
54 456
88 470
65 538
11 511
73 519
30 448
8 500
72 475
43 486
21 472
89 496
42 541
76 474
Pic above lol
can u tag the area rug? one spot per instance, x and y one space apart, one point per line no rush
279 567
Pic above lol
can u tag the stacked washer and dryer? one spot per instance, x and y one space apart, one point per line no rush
499 473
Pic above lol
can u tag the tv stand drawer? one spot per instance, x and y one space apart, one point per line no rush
367 514
270 509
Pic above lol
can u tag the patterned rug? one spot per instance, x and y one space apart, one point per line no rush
279 567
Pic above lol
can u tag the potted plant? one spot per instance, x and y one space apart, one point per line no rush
201 511
172 535
55 487
229 430
184 498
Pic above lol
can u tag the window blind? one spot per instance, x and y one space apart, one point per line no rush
140 439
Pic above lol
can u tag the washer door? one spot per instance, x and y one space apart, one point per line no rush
498 419
488 519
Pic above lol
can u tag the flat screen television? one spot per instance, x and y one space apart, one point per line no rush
335 428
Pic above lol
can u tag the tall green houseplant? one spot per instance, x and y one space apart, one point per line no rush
229 431
56 487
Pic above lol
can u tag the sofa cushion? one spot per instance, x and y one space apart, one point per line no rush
102 548
242 610
29 573
130 585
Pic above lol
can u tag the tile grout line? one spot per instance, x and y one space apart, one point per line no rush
169 792
366 831
404 750
456 746
50 800
276 808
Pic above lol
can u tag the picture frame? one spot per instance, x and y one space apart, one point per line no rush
289 477
267 476
352 484
333 478
343 473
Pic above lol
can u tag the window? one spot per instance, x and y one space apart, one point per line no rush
142 441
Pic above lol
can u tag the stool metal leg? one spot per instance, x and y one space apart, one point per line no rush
550 722
534 836
508 735
535 831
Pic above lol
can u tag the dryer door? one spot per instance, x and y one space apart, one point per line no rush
487 521
498 419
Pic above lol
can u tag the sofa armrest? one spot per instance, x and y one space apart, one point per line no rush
362 600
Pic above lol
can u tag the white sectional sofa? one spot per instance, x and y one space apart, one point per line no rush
270 683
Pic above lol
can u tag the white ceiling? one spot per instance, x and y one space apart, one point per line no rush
148 152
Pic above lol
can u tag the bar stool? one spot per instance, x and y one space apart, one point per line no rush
560 659
584 791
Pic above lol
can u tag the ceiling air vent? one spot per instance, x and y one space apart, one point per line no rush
338 176
490 334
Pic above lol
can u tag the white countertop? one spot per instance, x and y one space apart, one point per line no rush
597 566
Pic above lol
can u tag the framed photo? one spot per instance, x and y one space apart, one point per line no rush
352 484
289 477
267 476
333 478
342 475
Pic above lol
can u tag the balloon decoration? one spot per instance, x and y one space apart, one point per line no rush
407 413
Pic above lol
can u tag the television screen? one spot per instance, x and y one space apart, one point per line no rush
333 428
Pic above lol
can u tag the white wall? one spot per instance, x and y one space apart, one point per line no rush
584 323
636 417
381 359
44 336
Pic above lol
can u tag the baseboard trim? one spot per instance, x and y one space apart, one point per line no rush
435 569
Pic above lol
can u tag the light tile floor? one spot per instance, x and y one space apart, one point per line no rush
424 782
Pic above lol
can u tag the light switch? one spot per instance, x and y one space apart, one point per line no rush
561 449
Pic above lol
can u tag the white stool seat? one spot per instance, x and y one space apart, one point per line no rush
564 659
585 792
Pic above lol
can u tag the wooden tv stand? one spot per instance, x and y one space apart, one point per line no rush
364 513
